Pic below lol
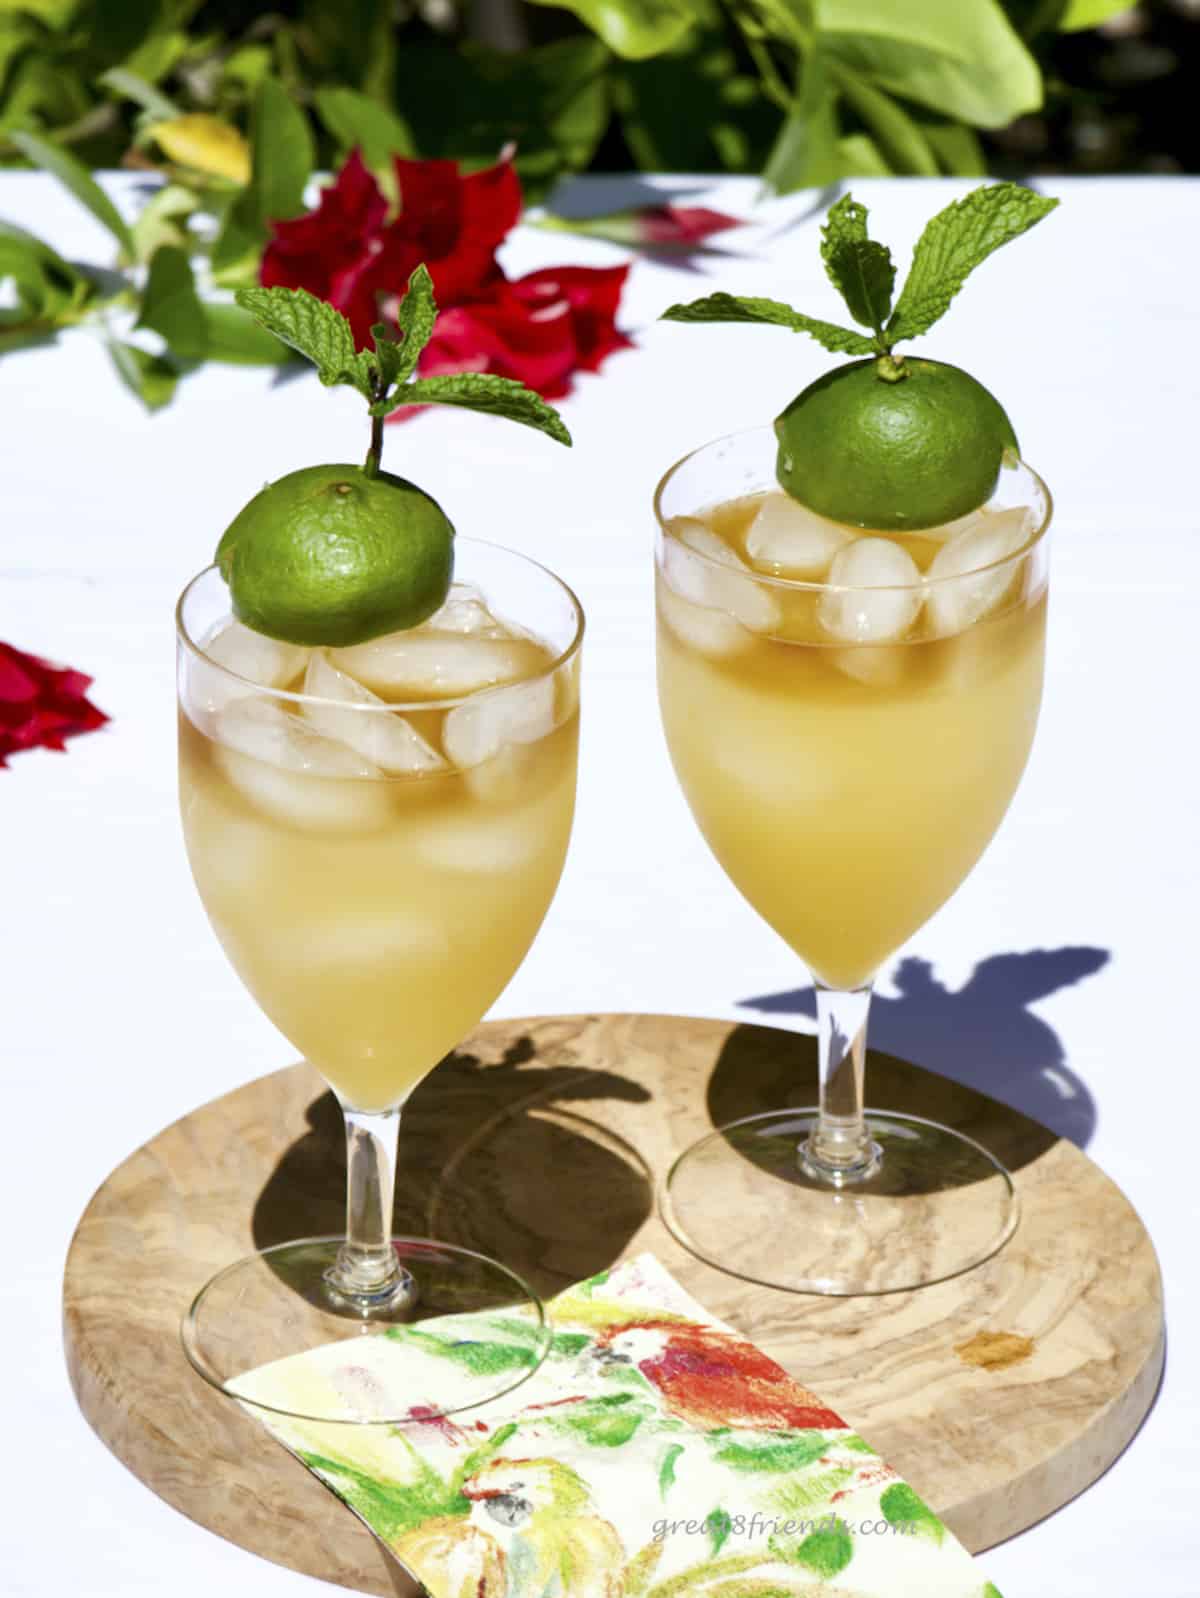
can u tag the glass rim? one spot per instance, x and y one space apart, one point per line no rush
389 707
805 585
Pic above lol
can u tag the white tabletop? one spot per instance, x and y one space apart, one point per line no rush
119 1012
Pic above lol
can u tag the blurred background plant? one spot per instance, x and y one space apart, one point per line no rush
802 91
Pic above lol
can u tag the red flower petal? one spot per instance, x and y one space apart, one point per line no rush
41 704
593 294
679 224
331 251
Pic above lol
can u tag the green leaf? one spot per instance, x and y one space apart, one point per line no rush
963 61
163 219
634 29
321 334
233 336
828 1550
900 1506
741 308
860 270
355 120
283 155
480 391
954 242
774 1454
129 86
1090 13
956 147
860 157
552 102
720 1524
730 122
49 290
666 1471
171 306
151 377
76 177
415 319
898 136
805 154
281 160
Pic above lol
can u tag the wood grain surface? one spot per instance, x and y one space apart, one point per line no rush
999 1395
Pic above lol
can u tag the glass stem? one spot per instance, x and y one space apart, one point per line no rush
839 1149
367 1275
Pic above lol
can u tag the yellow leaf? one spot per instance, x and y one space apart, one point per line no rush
206 144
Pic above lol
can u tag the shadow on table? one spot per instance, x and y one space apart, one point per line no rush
493 1157
983 1035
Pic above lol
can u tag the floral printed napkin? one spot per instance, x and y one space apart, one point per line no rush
654 1454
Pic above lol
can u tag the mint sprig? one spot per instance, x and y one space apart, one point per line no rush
953 244
384 375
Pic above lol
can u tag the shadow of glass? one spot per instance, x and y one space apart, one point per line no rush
492 1157
983 1035
762 1069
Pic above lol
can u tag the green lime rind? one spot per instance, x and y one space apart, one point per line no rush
892 456
329 556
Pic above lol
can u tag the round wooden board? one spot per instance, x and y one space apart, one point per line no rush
999 1395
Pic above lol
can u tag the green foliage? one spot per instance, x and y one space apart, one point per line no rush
741 308
807 92
954 242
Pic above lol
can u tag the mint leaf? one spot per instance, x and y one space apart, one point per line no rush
481 391
739 308
415 319
320 333
74 176
860 270
953 245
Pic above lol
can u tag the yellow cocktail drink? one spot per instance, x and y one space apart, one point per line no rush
847 787
376 876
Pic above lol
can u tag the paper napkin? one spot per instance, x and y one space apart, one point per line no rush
653 1454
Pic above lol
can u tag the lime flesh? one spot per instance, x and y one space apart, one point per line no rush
910 453
329 556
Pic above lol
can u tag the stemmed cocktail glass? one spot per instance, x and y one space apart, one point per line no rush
848 750
376 833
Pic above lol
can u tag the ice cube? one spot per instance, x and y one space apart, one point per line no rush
708 632
794 539
965 583
294 774
417 664
468 839
269 662
479 729
875 592
383 737
876 665
466 611
702 568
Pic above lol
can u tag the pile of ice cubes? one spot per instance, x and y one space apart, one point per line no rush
343 728
874 592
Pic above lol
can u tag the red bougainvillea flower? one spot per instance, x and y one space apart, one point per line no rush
540 329
40 704
347 252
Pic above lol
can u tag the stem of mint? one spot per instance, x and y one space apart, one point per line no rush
375 452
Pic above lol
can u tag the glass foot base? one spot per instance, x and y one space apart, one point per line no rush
279 1303
745 1200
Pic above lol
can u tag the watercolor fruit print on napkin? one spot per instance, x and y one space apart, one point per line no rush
654 1454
